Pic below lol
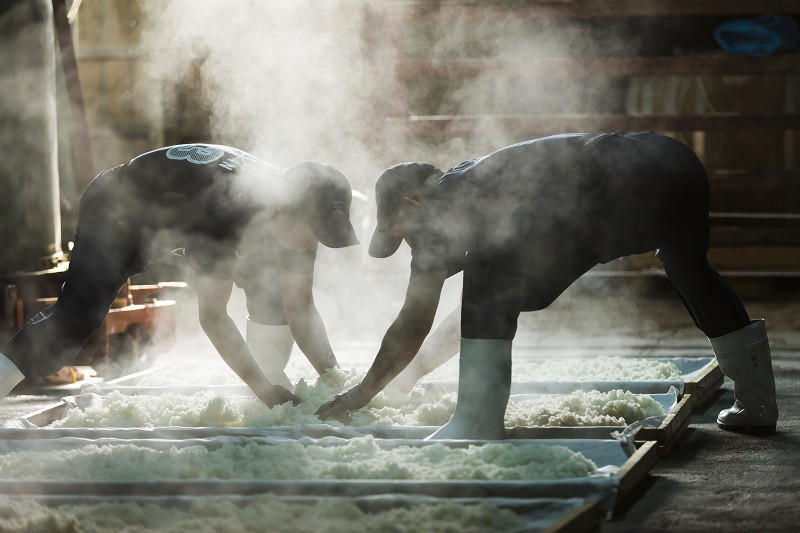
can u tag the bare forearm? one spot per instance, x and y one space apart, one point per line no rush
399 346
312 338
397 350
212 298
234 351
441 345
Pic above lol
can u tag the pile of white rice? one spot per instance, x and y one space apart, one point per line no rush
213 515
579 408
423 406
359 458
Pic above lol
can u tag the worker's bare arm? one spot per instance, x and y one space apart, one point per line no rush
305 321
442 344
399 345
212 298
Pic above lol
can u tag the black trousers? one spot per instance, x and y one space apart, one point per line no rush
99 265
110 248
654 197
107 252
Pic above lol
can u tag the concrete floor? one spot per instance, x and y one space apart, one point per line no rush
721 481
714 480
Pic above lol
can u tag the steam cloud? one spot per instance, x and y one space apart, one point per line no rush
290 80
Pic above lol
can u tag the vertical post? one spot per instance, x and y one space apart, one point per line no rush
397 104
81 140
30 233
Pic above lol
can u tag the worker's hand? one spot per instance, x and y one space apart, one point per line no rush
342 404
277 395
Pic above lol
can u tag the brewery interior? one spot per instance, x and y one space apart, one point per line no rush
363 85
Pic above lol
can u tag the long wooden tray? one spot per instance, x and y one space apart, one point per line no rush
629 473
666 435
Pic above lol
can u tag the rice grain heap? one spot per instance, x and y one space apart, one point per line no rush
423 406
207 515
580 408
359 458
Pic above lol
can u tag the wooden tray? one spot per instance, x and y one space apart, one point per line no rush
666 435
630 472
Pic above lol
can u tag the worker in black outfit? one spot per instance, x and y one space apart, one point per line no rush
523 223
212 208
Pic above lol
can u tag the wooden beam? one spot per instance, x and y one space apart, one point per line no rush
565 122
586 9
79 127
73 11
755 257
602 67
755 236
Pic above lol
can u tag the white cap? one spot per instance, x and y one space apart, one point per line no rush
9 375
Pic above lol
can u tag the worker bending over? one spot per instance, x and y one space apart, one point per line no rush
523 223
223 213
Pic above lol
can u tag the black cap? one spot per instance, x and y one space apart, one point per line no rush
413 180
323 195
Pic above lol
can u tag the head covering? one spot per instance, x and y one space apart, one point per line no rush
413 180
323 195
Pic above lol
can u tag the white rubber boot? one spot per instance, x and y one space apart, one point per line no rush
484 384
744 357
9 376
271 347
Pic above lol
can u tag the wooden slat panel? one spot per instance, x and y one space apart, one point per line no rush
585 9
557 123
755 257
754 180
755 236
607 67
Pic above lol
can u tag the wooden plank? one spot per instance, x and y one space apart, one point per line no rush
118 319
142 293
704 380
776 218
764 236
755 257
705 383
746 179
552 123
671 428
665 450
604 67
587 9
635 468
